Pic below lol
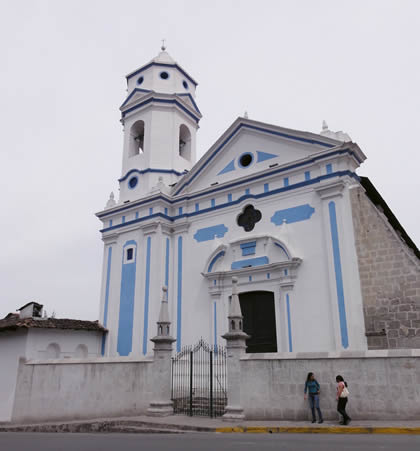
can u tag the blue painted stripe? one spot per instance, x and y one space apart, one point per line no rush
293 214
246 191
165 211
146 295
228 204
215 323
289 323
338 275
150 211
228 168
145 171
329 168
227 186
168 101
197 207
175 66
229 197
167 263
307 175
133 92
248 248
103 344
187 94
210 233
127 291
180 210
179 297
108 277
213 203
262 156
214 259
252 127
286 181
258 261
266 189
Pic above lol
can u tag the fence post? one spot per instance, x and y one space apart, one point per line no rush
161 404
235 347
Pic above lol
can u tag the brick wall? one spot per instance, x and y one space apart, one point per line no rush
390 278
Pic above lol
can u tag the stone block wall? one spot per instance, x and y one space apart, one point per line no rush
389 276
383 385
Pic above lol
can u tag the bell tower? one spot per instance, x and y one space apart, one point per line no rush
160 119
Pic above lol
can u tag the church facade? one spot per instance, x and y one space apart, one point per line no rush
282 210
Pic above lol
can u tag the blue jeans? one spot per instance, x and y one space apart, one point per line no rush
314 403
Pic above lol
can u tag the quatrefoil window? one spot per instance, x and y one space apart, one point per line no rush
249 217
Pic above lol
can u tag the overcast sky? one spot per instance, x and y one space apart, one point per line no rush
289 63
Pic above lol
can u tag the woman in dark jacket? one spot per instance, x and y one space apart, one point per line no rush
312 389
342 398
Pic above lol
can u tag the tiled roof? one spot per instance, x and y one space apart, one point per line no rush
13 322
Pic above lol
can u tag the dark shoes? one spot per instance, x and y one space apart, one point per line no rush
320 421
314 421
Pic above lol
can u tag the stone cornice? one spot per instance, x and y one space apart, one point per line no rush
330 190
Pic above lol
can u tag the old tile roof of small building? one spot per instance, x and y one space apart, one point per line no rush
13 322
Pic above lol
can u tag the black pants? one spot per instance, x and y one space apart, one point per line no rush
341 408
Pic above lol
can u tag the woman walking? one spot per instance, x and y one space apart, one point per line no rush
312 389
342 398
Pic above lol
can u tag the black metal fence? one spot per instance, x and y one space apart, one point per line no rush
199 380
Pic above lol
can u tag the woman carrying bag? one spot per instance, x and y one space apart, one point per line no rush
342 398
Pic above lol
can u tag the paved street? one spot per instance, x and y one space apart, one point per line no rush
205 442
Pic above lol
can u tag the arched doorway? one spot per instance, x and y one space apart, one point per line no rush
258 311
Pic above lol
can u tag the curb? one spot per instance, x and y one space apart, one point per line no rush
320 430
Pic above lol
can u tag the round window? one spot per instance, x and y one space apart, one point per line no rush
140 80
185 84
164 75
245 160
132 183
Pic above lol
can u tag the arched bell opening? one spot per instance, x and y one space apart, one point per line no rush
136 139
259 320
184 142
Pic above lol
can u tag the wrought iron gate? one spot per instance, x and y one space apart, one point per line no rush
199 380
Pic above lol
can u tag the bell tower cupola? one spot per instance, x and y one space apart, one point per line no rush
160 119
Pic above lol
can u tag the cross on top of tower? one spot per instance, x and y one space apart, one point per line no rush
163 47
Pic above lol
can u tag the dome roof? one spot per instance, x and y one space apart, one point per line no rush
163 57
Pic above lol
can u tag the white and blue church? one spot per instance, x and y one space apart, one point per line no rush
268 205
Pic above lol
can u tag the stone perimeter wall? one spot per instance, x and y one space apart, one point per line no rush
80 389
389 276
381 388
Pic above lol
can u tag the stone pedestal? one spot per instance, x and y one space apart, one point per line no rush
236 347
161 404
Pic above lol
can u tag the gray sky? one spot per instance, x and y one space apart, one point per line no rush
290 63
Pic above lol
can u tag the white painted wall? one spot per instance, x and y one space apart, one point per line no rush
77 389
67 340
12 346
33 344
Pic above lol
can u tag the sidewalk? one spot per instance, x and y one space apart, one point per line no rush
180 424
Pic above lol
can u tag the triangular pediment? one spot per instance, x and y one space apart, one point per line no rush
134 96
251 147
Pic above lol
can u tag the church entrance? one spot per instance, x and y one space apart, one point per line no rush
259 320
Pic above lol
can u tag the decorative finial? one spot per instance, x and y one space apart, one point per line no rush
163 47
111 201
324 125
246 115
